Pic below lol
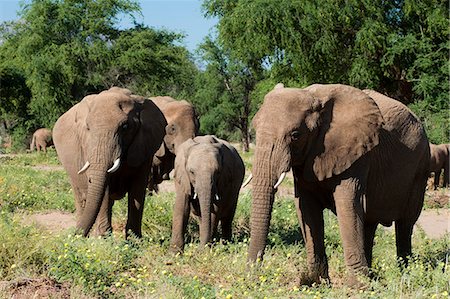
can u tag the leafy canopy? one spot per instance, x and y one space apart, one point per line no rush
66 49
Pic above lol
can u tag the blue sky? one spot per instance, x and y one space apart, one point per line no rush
182 16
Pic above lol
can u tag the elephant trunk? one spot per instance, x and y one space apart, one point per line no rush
205 195
101 160
94 199
269 162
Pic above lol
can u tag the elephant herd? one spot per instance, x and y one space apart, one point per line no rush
357 152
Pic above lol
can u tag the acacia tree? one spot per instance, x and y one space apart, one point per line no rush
398 47
224 90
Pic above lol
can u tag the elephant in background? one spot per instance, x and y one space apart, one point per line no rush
106 143
182 124
42 138
361 154
208 176
439 159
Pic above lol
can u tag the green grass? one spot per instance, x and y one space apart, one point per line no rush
114 268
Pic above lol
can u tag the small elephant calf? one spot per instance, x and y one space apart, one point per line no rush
42 138
208 176
439 160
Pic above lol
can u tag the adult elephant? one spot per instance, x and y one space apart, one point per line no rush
106 143
361 154
439 160
208 176
182 124
42 138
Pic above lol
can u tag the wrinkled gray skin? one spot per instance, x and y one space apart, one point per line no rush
212 169
42 138
101 129
361 154
439 160
182 124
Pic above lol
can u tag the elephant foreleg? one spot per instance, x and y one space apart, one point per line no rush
136 198
437 176
369 235
180 219
403 232
310 216
347 196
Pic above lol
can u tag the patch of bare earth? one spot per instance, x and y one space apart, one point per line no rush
53 221
48 167
28 288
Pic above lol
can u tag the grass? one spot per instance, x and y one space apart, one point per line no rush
115 268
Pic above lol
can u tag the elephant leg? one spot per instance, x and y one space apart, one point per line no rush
347 197
446 173
136 198
180 219
214 224
403 232
226 225
310 217
369 235
437 176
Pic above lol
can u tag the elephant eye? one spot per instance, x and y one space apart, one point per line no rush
295 135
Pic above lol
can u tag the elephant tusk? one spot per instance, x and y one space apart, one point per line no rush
280 180
115 166
84 168
195 195
217 197
247 180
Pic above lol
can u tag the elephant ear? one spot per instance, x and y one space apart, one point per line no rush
150 135
350 122
181 173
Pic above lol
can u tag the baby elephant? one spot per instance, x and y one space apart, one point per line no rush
439 160
208 176
41 139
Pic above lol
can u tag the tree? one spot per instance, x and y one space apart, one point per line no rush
224 90
397 47
66 49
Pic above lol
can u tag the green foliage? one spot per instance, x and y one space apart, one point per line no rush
61 50
114 268
25 186
396 47
436 122
224 88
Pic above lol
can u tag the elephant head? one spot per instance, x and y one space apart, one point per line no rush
197 173
182 124
318 131
102 136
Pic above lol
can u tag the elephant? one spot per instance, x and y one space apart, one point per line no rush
208 175
182 124
42 138
358 153
106 143
439 159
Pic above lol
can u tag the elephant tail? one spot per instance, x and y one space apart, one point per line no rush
33 142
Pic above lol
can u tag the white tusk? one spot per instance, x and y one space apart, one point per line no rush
115 166
217 197
280 180
195 195
247 180
84 168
